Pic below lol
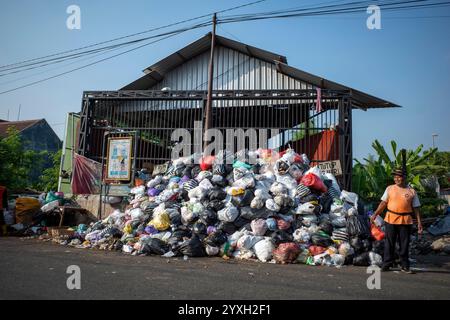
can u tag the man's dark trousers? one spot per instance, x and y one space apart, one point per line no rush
392 233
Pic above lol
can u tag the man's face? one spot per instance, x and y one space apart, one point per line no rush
398 180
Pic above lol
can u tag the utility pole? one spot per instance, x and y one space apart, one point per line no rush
433 136
208 112
18 114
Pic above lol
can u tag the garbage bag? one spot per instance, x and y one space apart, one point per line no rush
281 166
345 249
280 236
251 214
248 241
216 238
340 235
326 201
208 217
217 194
160 221
307 208
259 227
376 232
272 206
228 214
286 252
278 189
362 260
309 198
243 200
215 205
220 169
219 181
302 191
358 226
45 208
309 220
350 197
192 247
199 228
321 239
357 245
316 250
227 227
263 249
206 163
240 222
189 185
283 201
313 182
375 259
283 224
154 246
302 235
271 224
339 222
326 227
212 250
378 247
440 227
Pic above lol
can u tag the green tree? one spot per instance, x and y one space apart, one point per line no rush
371 177
16 162
48 181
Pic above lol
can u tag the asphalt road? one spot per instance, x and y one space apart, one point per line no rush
32 269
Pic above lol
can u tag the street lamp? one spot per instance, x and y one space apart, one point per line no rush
434 135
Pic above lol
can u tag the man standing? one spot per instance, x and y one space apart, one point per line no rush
401 202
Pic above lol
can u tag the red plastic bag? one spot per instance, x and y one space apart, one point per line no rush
282 224
315 250
376 232
314 182
206 163
286 252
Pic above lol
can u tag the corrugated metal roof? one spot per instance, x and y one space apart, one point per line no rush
156 72
19 125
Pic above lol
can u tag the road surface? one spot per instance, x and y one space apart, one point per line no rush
32 269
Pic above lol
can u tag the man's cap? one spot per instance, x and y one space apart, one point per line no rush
398 172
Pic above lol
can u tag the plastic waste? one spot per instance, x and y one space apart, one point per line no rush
263 249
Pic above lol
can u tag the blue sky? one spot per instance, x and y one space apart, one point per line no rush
406 62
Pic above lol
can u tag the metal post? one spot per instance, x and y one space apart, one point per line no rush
210 83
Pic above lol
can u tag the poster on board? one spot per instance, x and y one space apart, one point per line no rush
119 159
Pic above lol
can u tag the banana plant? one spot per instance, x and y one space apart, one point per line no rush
371 177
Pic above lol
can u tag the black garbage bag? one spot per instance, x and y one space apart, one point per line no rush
243 200
349 259
187 171
208 217
192 247
199 228
227 227
179 171
357 245
118 245
358 226
326 227
280 236
219 181
217 194
256 168
362 260
239 222
195 171
321 239
155 246
378 247
215 205
326 201
216 239
366 244
252 214
309 198
219 169
297 223
176 220
181 232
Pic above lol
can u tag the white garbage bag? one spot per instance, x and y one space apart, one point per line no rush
263 249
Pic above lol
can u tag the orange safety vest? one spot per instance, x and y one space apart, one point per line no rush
399 205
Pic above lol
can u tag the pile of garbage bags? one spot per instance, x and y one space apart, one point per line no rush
275 209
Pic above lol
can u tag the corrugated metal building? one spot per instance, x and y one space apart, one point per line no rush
252 88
